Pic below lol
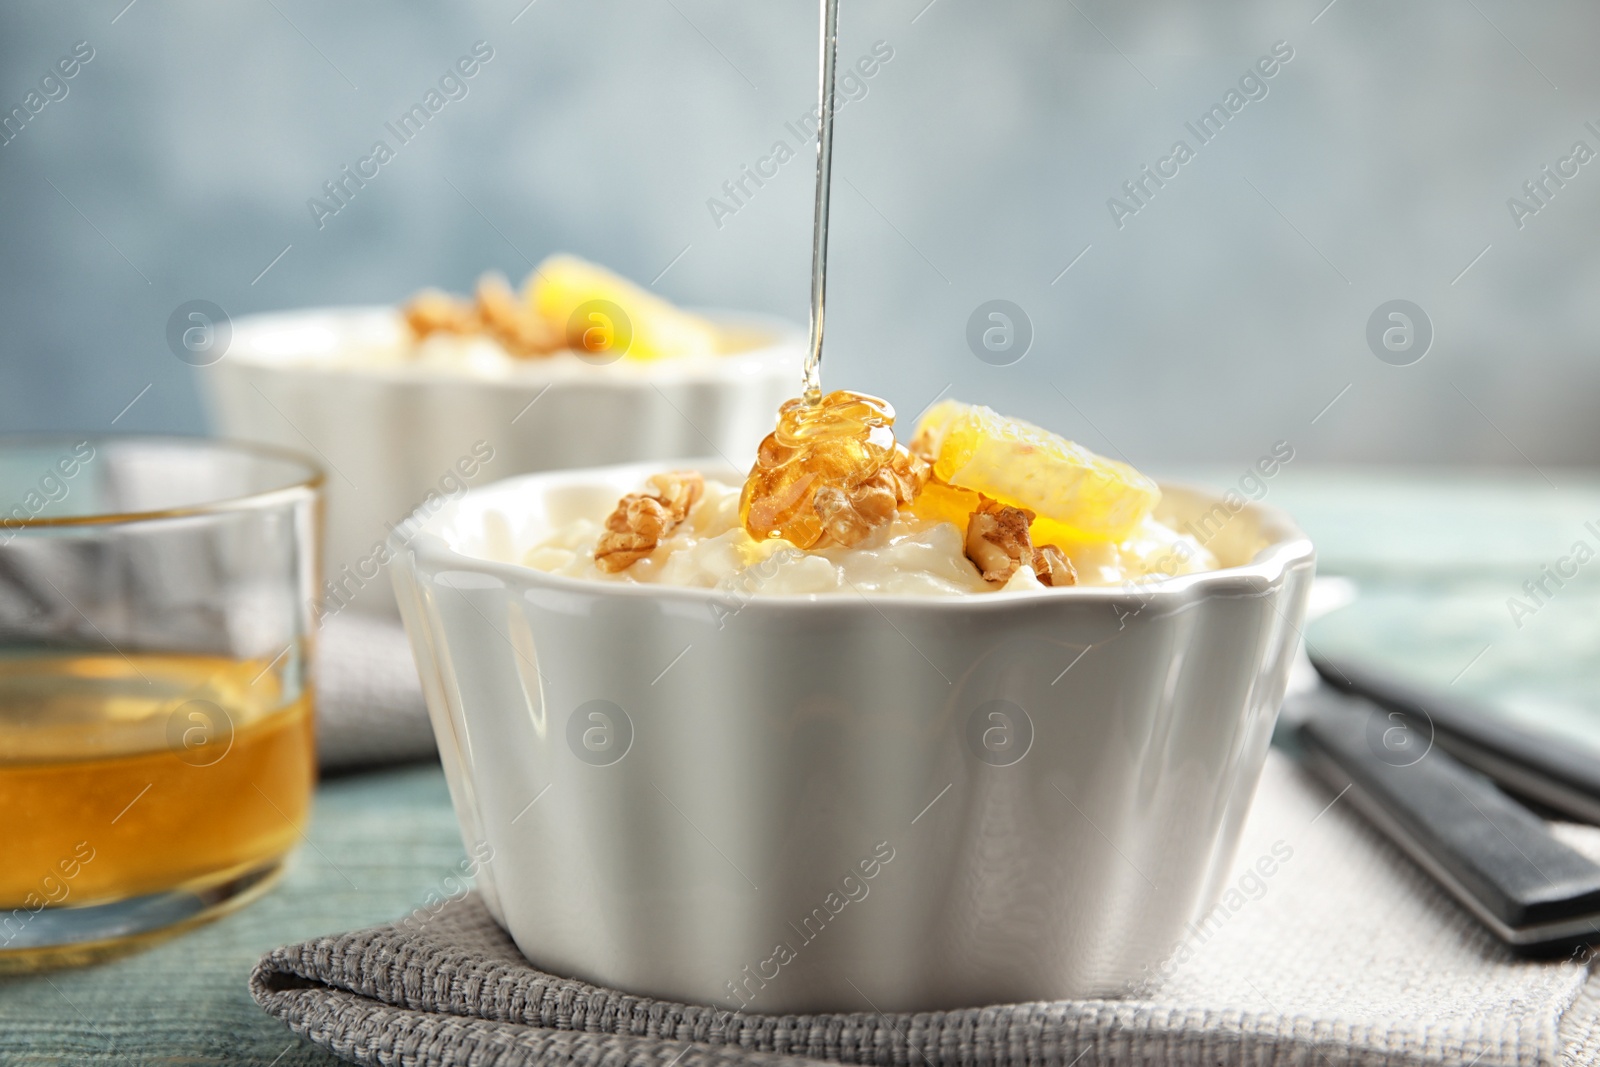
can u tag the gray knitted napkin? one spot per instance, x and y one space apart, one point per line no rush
369 700
1345 954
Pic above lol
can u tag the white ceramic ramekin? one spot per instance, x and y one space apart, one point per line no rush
806 803
399 437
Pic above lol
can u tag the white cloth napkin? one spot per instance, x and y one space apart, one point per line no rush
1352 946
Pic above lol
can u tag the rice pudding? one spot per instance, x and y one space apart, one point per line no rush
567 314
977 504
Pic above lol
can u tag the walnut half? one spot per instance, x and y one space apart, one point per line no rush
511 321
641 520
849 516
997 540
498 311
432 311
999 544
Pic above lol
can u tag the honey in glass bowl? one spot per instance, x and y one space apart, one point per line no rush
124 777
156 749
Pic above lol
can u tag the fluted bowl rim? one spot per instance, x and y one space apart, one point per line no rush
1288 548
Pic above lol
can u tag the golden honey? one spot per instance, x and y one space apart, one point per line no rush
127 775
838 445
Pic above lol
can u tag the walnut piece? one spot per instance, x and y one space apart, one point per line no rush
679 491
924 446
498 311
433 311
909 474
849 517
1052 567
997 540
641 520
999 544
512 322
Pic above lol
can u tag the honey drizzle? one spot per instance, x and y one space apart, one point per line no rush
831 471
836 450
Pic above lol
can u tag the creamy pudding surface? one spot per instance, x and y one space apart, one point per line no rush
978 503
384 342
910 556
569 316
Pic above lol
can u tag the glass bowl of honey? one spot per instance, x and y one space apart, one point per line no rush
156 748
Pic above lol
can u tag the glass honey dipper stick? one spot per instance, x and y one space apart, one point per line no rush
812 382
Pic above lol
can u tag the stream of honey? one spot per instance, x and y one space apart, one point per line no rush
125 775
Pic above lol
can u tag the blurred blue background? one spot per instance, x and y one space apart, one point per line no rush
1228 313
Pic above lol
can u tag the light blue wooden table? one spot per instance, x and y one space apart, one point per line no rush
1436 559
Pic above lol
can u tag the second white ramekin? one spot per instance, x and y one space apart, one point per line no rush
402 437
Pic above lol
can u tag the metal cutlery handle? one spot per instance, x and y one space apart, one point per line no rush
1493 855
1546 769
